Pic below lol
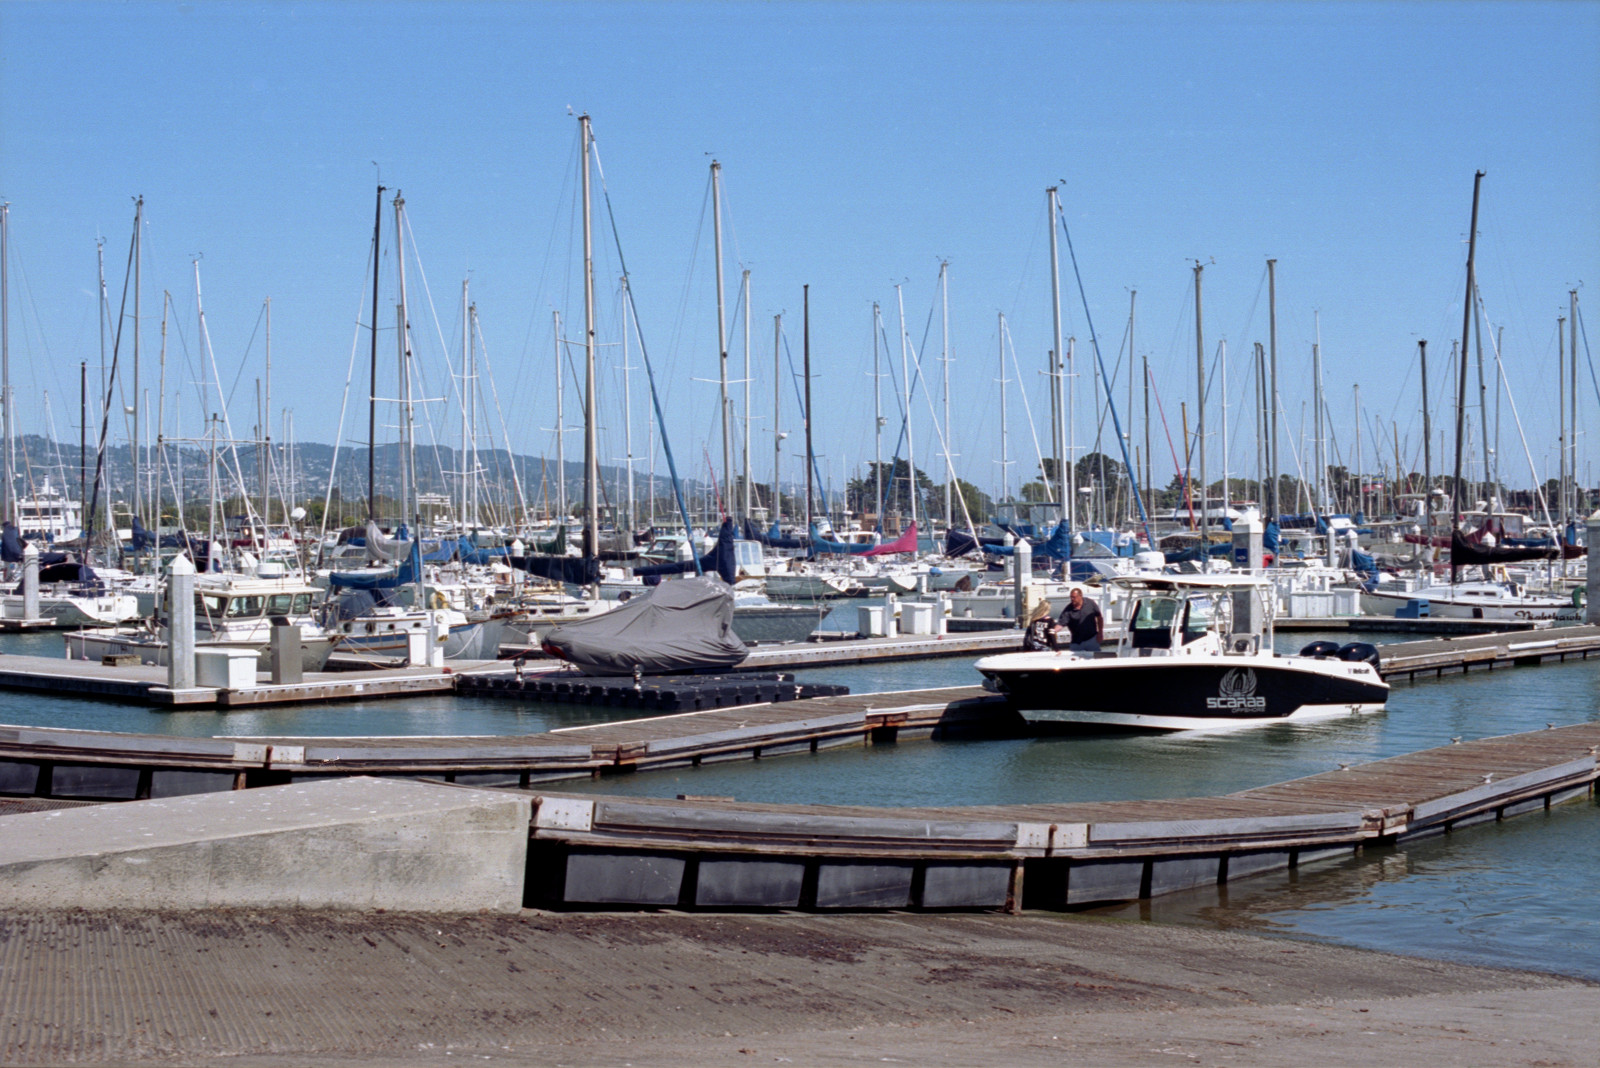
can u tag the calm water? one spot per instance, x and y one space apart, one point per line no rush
1516 894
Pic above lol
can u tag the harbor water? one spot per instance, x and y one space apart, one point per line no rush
1514 894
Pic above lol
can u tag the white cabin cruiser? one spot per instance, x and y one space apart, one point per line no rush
1181 665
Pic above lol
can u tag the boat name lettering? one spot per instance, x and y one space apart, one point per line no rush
1237 693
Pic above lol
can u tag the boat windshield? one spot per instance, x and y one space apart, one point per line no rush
1197 618
1152 622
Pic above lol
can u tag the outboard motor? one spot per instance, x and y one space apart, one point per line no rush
1359 652
1321 650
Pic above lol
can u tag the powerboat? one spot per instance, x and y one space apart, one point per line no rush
1181 664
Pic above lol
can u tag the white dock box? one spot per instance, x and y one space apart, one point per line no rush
916 617
225 669
869 620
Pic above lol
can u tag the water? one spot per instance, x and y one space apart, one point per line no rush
1515 894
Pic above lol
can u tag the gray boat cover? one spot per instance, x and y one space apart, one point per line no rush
681 625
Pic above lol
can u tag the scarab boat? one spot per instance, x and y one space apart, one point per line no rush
1181 664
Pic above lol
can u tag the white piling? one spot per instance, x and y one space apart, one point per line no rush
180 623
1591 591
30 583
1022 575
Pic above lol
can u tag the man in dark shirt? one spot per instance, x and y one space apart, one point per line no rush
1085 627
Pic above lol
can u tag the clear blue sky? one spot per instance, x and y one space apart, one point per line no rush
861 145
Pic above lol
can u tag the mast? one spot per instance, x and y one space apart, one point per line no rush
266 433
1272 390
1320 460
1222 359
466 344
1561 421
561 426
722 329
877 422
746 464
777 432
1144 362
1065 481
1133 296
591 459
161 422
806 334
1427 444
138 256
372 391
1461 392
944 358
1483 408
6 508
1260 421
1572 400
1361 482
1200 422
905 376
403 355
627 405
1005 458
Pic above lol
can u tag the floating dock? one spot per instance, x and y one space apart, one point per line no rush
587 851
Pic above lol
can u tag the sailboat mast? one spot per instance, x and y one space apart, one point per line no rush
6 508
1062 476
1005 459
266 434
1321 480
1483 408
1272 387
1561 422
138 257
403 354
722 329
877 422
1427 443
561 427
905 377
944 358
1461 391
805 321
1200 402
627 405
466 343
372 388
1222 359
747 489
1572 401
591 458
1133 296
777 412
161 447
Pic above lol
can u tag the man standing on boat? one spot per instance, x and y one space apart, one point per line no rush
1085 626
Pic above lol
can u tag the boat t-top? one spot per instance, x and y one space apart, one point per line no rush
1188 658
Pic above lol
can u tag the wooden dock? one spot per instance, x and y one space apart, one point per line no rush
587 851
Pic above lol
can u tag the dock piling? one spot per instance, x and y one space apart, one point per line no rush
30 582
180 625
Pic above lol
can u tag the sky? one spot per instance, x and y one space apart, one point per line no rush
861 147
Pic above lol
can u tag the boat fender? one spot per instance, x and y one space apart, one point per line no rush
1321 649
1359 652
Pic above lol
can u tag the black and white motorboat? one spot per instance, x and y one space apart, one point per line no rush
1181 665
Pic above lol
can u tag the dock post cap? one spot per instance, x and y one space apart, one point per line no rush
30 549
181 565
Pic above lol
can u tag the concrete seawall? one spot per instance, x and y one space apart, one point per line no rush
354 843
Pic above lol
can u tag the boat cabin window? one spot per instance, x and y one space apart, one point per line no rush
1152 622
1197 618
284 604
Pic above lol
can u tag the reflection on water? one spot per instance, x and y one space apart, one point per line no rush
1516 894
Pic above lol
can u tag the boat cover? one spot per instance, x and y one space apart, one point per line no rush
403 575
772 538
684 625
576 570
142 538
721 560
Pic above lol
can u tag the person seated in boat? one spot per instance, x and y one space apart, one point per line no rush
1039 630
1085 626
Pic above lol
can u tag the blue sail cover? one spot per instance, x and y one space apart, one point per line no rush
1059 546
403 575
11 543
573 570
1365 565
721 560
1271 537
142 538
773 538
819 544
